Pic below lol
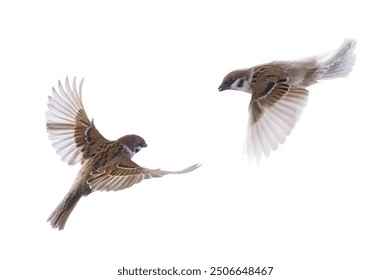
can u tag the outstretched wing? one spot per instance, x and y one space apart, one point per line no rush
274 109
75 136
121 172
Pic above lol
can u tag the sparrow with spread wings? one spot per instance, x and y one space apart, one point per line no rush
279 94
106 165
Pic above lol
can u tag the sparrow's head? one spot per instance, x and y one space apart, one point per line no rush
133 142
237 80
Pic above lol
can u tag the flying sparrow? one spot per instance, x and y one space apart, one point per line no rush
278 94
106 165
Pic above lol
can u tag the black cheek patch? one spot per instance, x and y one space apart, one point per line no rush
241 83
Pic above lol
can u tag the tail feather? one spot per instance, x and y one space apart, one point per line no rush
340 63
61 214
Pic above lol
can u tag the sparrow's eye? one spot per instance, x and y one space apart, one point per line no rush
233 79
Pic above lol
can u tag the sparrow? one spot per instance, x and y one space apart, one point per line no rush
279 95
105 165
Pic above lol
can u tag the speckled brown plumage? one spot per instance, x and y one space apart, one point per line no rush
106 165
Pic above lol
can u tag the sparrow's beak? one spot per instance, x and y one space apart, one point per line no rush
223 86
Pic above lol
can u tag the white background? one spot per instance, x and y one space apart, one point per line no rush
318 208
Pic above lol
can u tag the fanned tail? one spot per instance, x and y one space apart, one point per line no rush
340 63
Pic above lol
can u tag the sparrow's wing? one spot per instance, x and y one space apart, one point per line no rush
274 109
75 136
124 173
